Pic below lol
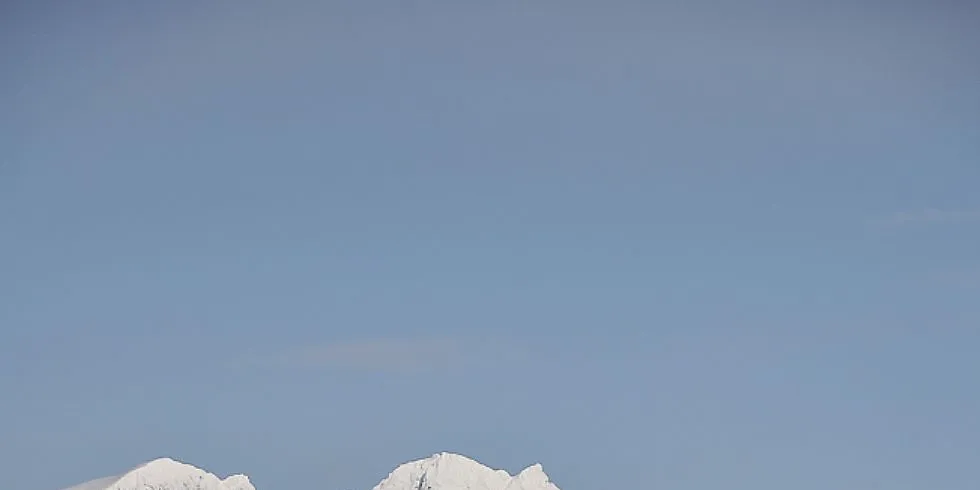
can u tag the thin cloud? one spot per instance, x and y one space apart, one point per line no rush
392 355
377 355
386 355
932 216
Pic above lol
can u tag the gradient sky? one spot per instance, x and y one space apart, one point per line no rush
679 247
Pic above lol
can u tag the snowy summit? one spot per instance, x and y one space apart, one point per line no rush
167 474
442 471
447 471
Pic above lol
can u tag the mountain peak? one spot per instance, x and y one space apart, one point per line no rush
441 471
167 474
164 464
533 476
449 471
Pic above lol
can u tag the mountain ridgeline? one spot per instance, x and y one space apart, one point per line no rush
442 471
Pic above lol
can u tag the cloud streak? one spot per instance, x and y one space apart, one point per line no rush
931 216
386 355
389 355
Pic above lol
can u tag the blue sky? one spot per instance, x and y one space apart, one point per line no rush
694 246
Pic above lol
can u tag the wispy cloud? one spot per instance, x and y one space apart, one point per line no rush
388 355
931 216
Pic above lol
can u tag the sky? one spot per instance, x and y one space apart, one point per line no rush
680 246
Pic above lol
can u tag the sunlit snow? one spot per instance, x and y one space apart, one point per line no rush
442 471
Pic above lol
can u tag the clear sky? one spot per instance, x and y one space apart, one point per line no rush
679 246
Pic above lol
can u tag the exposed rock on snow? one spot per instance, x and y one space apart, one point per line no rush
442 471
166 474
447 471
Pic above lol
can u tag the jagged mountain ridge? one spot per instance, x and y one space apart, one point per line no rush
166 474
441 471
448 471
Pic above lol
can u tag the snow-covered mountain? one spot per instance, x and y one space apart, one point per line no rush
447 471
166 474
442 471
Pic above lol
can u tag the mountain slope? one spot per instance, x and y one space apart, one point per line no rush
166 474
442 471
99 484
447 471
